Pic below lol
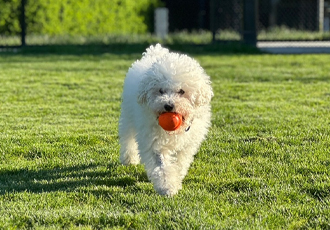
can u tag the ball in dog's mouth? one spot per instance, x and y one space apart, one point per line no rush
170 121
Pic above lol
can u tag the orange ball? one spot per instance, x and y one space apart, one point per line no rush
170 121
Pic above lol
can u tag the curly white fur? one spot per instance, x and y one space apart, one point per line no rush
164 81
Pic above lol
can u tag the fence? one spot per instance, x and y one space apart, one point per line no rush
276 20
246 21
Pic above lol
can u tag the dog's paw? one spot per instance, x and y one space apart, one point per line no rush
168 192
130 160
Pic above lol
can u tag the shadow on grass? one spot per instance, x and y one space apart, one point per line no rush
320 192
68 178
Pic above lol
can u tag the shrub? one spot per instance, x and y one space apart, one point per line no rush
9 17
84 17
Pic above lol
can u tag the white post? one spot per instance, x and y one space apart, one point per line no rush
161 22
320 12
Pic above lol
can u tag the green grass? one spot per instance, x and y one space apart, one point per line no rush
289 34
264 165
182 37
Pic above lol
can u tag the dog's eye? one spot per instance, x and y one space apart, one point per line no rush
161 91
181 91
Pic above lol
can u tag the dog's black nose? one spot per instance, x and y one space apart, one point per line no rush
168 107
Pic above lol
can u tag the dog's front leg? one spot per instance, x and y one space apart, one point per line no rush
164 173
185 158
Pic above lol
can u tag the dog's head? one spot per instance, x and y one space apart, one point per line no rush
175 83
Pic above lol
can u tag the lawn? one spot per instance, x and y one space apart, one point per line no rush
281 33
264 165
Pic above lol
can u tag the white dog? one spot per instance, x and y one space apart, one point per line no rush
160 82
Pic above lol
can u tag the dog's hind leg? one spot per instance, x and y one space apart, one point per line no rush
128 145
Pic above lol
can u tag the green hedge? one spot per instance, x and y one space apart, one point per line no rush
83 17
9 17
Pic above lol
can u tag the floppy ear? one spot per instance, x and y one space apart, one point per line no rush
145 86
204 94
142 96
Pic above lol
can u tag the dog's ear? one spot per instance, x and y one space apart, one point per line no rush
143 90
142 97
204 94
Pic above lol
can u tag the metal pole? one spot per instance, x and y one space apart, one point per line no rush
250 12
23 24
212 19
